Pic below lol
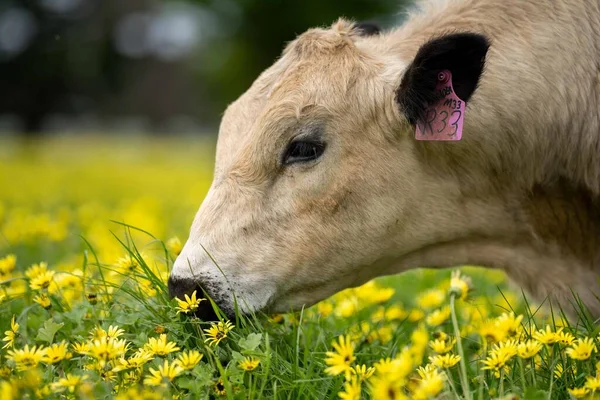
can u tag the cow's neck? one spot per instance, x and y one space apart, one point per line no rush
546 237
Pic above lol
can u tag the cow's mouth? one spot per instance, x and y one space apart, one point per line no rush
205 311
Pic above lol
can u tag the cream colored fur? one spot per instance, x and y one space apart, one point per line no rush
519 192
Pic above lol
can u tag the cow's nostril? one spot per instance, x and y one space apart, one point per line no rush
206 312
180 287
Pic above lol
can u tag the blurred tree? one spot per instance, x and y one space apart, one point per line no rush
65 64
63 57
231 63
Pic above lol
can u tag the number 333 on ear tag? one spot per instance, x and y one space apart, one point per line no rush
443 119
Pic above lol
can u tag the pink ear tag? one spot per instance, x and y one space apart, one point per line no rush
443 120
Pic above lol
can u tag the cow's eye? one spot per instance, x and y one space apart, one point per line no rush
303 151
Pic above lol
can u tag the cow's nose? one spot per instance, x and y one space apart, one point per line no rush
180 287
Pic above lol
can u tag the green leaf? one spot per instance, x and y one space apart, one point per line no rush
127 319
75 315
236 357
192 385
46 333
251 342
236 376
535 394
203 374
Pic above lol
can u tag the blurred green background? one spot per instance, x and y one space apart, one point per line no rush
165 67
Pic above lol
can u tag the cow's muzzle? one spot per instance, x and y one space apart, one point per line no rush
179 287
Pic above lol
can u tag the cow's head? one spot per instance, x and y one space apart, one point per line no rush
317 184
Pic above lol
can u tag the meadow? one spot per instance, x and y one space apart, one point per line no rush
89 228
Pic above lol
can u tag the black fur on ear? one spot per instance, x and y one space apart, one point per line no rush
367 28
463 54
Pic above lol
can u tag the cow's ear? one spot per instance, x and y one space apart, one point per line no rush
463 54
367 28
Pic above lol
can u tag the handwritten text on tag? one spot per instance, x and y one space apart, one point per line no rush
443 120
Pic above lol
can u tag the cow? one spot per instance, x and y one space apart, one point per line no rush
327 174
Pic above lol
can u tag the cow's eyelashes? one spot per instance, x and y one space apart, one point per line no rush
300 151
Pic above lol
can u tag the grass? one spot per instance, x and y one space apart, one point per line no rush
104 214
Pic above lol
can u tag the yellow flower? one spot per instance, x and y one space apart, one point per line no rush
324 308
383 366
488 330
340 361
81 348
445 361
106 349
69 382
31 379
57 352
496 362
190 304
217 332
383 334
395 312
431 298
36 270
159 346
386 388
592 383
372 293
582 350
362 372
249 363
429 387
43 392
564 338
97 333
415 315
442 346
559 370
351 390
11 334
546 336
347 307
174 245
276 318
219 387
459 285
509 324
113 332
131 377
439 316
165 373
579 393
507 348
528 349
420 336
128 263
9 390
41 281
138 359
27 358
43 300
138 393
426 371
397 368
5 372
189 359
7 266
